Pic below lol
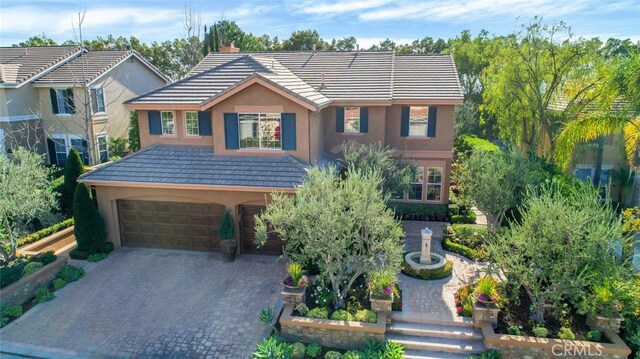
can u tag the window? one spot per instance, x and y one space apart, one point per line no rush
259 130
418 120
434 184
417 185
97 100
64 143
352 119
168 125
191 123
584 174
64 100
103 148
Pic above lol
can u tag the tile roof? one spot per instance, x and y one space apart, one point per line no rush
88 66
198 165
321 77
20 64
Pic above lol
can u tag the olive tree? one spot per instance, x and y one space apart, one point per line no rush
563 244
341 224
24 194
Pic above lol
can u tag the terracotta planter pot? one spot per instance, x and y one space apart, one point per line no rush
601 323
229 247
486 302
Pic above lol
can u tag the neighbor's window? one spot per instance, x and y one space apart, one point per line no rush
417 185
103 149
97 100
65 102
259 130
168 125
434 184
191 122
352 119
418 119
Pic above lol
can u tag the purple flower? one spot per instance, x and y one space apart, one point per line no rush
482 298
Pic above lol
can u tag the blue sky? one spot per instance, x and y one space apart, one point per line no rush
369 20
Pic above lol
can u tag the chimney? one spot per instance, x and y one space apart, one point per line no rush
357 48
229 48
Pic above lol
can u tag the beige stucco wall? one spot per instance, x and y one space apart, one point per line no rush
107 197
334 140
179 138
21 101
316 136
443 141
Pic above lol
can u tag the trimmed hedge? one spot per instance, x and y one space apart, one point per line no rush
420 211
34 237
428 274
469 218
458 248
469 143
468 240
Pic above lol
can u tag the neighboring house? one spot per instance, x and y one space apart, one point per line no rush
243 125
64 96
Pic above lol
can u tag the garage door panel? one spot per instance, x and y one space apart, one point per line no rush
273 244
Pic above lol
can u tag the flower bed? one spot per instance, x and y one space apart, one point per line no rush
16 269
20 286
468 240
463 302
298 350
45 232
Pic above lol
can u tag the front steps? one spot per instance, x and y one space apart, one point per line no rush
424 339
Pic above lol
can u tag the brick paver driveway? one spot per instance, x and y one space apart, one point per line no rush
155 303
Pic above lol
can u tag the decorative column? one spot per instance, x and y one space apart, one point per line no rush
293 296
485 313
425 251
382 306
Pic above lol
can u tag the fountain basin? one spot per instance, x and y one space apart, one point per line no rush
413 260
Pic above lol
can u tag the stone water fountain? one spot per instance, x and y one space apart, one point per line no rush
425 259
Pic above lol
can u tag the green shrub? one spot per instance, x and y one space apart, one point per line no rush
333 355
58 283
467 310
298 350
318 313
45 258
96 257
78 254
449 245
313 350
514 330
341 314
469 218
266 315
467 144
454 208
31 268
89 229
118 146
419 211
488 354
540 332
392 350
227 230
43 295
72 170
70 273
273 348
353 354
9 312
57 186
566 334
594 336
301 308
34 237
366 316
428 274
12 273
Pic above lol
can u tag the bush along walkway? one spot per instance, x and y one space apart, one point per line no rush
428 325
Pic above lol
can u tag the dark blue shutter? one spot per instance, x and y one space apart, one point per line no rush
204 123
339 119
288 131
231 135
85 152
404 121
364 119
69 100
431 124
54 101
53 157
155 123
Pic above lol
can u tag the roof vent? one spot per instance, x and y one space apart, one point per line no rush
313 47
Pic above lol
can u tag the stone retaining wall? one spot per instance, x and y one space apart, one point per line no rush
60 242
24 289
330 333
512 346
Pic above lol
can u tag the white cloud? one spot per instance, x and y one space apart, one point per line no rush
334 7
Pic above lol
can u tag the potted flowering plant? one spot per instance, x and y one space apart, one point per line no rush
295 278
381 285
486 291
603 308
227 234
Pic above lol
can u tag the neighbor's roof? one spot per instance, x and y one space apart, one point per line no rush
21 64
196 165
91 65
319 77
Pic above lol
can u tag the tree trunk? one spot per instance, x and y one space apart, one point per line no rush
598 165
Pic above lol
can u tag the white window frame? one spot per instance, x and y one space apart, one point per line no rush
426 192
63 107
416 119
165 128
186 124
106 144
421 183
104 103
64 139
260 115
348 129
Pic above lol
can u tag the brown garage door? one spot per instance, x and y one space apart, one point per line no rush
170 224
248 234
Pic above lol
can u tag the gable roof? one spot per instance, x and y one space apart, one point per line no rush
19 65
199 166
91 66
319 77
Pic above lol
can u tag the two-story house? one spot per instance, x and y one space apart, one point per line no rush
56 98
243 125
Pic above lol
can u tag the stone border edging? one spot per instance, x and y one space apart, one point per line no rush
522 346
24 289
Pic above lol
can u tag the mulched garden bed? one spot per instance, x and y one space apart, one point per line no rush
517 313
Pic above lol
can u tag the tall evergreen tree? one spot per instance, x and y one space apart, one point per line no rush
89 228
72 170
